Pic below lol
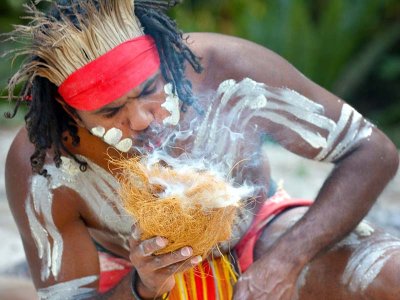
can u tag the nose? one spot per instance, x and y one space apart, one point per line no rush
140 117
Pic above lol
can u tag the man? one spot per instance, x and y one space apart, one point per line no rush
98 76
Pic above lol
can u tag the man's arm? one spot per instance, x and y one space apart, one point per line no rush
360 174
53 222
79 270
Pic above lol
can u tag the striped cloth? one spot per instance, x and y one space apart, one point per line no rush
213 279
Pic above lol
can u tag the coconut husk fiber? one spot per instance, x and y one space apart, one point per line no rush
194 215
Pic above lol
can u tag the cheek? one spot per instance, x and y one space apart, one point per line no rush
114 137
110 131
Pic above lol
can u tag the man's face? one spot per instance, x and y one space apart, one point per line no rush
137 116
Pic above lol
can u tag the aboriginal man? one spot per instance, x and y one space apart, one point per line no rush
98 76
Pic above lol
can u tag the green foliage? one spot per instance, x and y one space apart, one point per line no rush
349 47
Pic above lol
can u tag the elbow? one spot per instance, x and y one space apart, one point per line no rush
385 154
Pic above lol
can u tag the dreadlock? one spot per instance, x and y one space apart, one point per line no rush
47 121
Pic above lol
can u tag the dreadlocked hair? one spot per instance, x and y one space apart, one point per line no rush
171 48
46 68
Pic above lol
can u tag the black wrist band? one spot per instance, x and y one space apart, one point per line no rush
134 282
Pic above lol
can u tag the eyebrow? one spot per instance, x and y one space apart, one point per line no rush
146 85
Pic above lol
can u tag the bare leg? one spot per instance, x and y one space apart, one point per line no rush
365 265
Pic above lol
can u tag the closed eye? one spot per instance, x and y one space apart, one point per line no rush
148 91
112 111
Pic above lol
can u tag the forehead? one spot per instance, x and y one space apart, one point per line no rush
132 93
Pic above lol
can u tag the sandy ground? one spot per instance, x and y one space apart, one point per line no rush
302 178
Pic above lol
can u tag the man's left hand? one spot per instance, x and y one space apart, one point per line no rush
268 278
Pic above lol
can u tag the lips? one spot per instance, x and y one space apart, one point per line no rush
153 139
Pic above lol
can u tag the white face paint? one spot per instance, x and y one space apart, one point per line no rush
113 137
73 289
171 104
95 186
98 131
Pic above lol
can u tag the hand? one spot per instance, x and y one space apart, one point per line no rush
157 272
268 278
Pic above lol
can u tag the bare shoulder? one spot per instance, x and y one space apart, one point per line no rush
18 169
226 57
18 181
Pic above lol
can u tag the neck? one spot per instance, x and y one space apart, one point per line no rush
95 149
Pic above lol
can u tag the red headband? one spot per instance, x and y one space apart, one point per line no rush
112 75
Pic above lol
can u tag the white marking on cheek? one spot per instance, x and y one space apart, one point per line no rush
171 104
73 289
168 89
98 131
367 261
124 145
113 136
364 230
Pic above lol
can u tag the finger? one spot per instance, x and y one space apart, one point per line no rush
166 260
134 239
148 247
182 266
136 232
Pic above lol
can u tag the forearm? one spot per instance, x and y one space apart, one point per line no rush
343 201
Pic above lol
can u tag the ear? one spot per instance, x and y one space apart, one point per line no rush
71 112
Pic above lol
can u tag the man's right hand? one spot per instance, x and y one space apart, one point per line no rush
156 272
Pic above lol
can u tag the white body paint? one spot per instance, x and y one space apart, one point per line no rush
171 104
250 100
301 281
367 260
216 146
364 229
95 186
73 289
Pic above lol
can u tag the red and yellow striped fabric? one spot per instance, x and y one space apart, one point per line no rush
213 279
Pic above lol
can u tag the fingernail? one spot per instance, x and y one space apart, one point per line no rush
186 251
135 236
161 242
136 232
196 260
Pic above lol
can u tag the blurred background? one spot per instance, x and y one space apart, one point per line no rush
351 48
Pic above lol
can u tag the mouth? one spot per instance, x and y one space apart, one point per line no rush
153 138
